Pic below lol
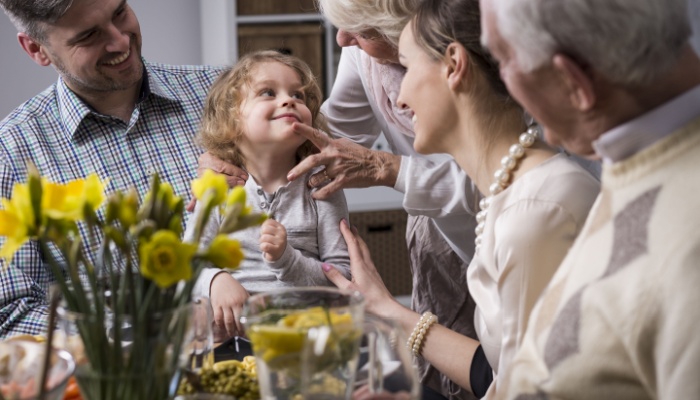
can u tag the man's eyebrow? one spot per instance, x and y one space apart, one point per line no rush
78 36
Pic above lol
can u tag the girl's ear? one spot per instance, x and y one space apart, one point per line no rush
34 49
456 65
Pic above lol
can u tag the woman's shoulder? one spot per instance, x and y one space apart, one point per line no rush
558 182
556 176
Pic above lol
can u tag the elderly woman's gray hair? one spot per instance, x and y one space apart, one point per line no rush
28 16
630 42
387 17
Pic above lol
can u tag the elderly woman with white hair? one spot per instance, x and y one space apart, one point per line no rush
437 193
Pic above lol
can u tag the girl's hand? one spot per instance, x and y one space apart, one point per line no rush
365 277
273 240
227 298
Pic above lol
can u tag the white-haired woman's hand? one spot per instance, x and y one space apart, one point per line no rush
347 164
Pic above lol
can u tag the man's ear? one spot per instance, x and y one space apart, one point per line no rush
456 65
578 83
35 49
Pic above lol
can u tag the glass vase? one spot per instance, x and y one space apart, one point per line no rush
135 357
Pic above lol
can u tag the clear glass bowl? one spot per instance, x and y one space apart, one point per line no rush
20 369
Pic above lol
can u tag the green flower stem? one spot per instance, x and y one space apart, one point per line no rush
53 303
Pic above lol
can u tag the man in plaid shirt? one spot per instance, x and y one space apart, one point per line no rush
110 113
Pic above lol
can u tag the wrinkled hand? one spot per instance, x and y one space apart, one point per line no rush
365 278
227 298
348 164
273 240
234 176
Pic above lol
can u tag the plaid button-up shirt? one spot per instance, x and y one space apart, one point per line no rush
68 140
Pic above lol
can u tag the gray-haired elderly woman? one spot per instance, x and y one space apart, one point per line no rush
437 193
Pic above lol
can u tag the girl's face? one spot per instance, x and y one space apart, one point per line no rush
274 100
425 91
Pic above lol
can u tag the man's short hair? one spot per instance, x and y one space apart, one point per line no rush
30 16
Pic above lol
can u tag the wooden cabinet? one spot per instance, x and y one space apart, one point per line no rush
272 7
302 40
385 234
232 28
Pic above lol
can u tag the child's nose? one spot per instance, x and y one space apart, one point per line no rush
288 101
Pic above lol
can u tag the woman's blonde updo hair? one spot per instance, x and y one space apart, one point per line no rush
221 126
387 17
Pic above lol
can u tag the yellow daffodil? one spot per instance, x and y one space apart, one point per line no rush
20 205
210 181
67 201
165 259
15 233
224 252
17 221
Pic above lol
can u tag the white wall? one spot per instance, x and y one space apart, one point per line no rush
171 34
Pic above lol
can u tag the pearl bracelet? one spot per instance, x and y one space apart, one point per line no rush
415 340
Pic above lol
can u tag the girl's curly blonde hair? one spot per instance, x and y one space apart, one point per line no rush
221 126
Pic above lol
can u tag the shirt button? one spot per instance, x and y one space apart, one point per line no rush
260 192
263 205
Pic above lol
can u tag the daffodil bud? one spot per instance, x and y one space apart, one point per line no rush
236 195
128 209
112 207
115 236
34 192
224 252
210 181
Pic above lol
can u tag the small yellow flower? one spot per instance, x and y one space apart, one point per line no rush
15 233
237 195
17 222
67 201
210 180
20 205
224 252
165 259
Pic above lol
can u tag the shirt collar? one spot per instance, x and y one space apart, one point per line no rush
73 110
633 136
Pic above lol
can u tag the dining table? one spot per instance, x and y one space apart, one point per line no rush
237 347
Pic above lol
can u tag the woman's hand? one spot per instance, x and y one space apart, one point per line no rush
365 278
348 164
273 240
234 176
227 298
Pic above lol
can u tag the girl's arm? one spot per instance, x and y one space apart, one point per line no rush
301 268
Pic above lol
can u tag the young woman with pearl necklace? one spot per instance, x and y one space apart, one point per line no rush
535 200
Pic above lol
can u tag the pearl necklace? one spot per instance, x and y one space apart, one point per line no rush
502 176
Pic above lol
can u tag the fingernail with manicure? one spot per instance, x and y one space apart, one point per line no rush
326 267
